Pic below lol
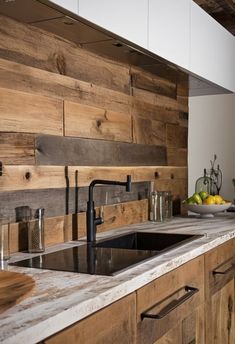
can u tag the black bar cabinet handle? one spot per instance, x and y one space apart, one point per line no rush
190 291
217 272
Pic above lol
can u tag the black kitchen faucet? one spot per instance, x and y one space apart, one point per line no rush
91 220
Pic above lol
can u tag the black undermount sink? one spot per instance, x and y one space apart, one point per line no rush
110 256
147 241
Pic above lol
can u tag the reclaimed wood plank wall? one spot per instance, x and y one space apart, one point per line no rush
68 116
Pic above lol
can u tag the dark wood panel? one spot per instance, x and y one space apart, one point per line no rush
177 157
176 136
17 148
51 150
152 83
63 201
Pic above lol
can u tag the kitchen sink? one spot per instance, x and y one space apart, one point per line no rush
147 241
111 256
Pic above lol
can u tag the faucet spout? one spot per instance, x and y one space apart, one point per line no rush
91 219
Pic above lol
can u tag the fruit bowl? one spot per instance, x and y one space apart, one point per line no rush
207 210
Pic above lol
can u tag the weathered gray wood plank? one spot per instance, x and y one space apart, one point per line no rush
54 150
58 202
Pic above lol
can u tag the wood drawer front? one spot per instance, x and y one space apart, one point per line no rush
114 324
157 295
219 267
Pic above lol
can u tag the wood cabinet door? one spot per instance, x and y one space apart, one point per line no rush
189 331
170 309
114 324
220 316
220 294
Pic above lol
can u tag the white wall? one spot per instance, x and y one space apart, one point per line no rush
212 131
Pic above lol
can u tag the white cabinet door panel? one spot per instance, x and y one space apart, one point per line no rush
169 30
71 5
126 18
212 49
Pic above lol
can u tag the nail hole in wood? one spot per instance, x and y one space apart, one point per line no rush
172 176
156 175
27 175
98 123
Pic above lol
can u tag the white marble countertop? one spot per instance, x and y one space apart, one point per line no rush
63 298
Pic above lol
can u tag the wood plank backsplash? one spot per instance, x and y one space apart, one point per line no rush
68 116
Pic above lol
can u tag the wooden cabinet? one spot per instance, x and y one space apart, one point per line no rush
193 304
170 309
114 324
219 294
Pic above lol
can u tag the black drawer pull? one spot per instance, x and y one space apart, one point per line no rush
190 291
218 272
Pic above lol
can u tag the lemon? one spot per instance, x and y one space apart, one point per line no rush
209 200
218 199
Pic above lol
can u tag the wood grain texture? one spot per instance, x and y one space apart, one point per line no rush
177 156
220 258
159 100
147 131
73 226
152 83
45 51
51 150
27 177
178 187
58 202
221 316
122 327
220 294
43 77
17 149
183 119
155 296
24 112
154 112
14 287
98 123
176 136
222 11
17 76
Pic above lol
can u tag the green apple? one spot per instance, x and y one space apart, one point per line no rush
190 200
197 199
203 195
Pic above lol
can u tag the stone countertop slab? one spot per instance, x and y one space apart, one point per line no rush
63 298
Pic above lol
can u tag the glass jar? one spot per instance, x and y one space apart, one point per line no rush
160 206
36 232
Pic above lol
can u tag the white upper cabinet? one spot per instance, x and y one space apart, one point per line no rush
212 54
71 5
128 19
169 30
